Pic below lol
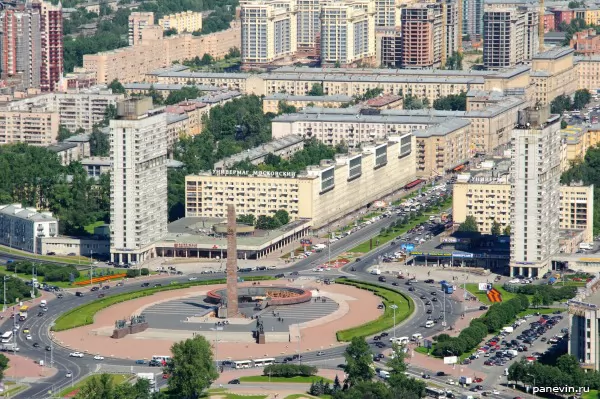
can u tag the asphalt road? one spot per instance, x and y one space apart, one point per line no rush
79 367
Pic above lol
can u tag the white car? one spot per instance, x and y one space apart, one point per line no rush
69 374
98 357
28 337
496 392
75 354
451 382
192 278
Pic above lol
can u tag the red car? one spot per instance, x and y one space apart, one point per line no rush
165 376
478 379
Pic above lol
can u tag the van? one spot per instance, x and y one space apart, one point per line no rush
79 293
416 337
429 324
384 374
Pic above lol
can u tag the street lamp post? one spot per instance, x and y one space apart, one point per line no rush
394 307
216 330
4 303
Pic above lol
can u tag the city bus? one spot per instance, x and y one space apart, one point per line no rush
6 337
242 364
435 393
162 359
264 362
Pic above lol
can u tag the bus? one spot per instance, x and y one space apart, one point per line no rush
23 313
264 362
435 393
162 359
6 337
242 364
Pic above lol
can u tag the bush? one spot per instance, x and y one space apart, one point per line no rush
145 271
289 370
50 272
131 273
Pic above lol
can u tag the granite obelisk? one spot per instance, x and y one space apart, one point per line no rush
232 279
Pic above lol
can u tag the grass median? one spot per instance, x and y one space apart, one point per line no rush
405 304
84 315
116 379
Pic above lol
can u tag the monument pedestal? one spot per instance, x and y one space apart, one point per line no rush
119 333
261 339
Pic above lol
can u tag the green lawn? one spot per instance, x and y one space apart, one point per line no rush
90 227
386 321
592 394
84 315
11 389
541 311
227 395
85 276
392 233
71 260
298 379
117 379
473 288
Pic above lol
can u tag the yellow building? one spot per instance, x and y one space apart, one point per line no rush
271 102
576 141
486 195
592 16
34 128
553 73
323 193
442 147
187 21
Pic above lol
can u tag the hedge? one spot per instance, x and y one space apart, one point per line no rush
84 315
289 370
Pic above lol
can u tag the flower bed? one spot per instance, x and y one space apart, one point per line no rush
101 279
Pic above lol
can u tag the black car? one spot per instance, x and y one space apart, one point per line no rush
36 345
48 348
234 382
78 293
106 287
429 311
429 281
440 374
434 299
40 314
154 363
426 376
411 289
395 284
423 297
145 284
94 289
280 275
384 334
433 293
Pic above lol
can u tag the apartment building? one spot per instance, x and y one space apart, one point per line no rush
535 176
586 42
309 24
21 227
422 35
272 101
51 38
269 31
387 13
131 64
348 32
20 43
187 21
388 46
553 73
74 110
34 128
450 28
322 193
485 194
138 21
472 23
442 148
584 331
510 35
138 208
284 148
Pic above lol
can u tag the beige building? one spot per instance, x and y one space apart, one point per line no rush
553 73
272 101
187 21
387 12
35 128
269 31
138 21
75 109
309 24
131 64
67 152
485 194
323 193
348 32
283 148
442 148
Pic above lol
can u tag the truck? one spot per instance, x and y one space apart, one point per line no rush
508 330
586 246
12 347
465 380
43 303
376 271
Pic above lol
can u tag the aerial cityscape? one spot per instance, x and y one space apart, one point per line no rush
300 199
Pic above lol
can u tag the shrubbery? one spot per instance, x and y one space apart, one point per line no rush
48 271
499 315
547 292
289 370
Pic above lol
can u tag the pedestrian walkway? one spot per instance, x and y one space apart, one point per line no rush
301 312
183 307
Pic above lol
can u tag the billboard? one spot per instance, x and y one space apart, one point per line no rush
485 287
450 359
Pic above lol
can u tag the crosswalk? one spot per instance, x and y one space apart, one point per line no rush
301 312
184 307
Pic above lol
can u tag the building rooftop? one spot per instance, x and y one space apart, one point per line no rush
382 101
555 53
63 146
80 138
290 97
263 150
444 128
357 117
174 118
217 97
102 161
490 171
16 210
167 87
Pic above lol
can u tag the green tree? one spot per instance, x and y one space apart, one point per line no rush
537 299
452 102
170 32
247 219
284 108
110 113
283 217
454 61
359 360
316 90
64 133
581 98
496 228
185 93
191 368
116 87
99 144
470 224
561 104
563 124
98 387
506 231
365 390
413 102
